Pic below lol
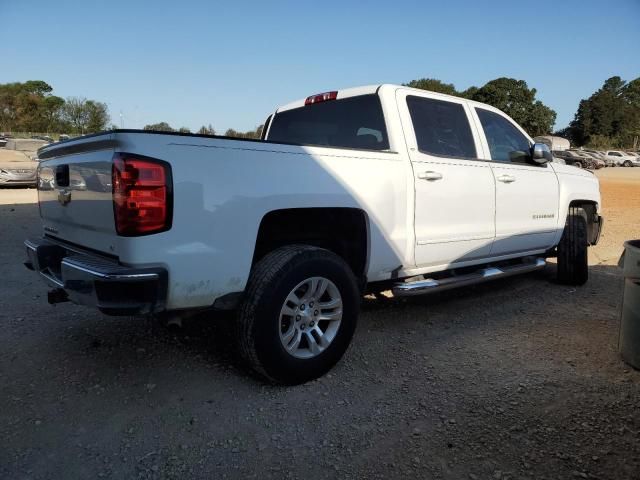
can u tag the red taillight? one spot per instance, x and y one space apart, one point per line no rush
321 97
141 195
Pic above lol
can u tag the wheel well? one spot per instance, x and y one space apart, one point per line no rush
343 231
591 209
588 206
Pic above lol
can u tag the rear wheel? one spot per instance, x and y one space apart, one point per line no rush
573 266
299 314
577 164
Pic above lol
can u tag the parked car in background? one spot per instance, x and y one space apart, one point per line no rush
601 155
635 160
600 163
621 159
570 157
3 142
63 137
46 138
17 169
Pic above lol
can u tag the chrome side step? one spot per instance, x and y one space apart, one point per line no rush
421 287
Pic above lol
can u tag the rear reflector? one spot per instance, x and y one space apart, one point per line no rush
142 202
321 97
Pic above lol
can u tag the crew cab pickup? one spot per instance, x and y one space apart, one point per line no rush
349 192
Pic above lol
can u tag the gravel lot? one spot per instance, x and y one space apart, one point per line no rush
514 379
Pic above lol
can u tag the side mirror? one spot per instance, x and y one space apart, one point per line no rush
540 154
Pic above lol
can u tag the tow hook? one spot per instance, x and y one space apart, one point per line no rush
57 295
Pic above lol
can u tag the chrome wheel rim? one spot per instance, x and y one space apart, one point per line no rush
310 317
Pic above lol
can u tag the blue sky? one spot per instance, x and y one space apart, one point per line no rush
230 63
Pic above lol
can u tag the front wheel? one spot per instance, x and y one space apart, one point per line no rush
573 265
577 164
299 314
627 163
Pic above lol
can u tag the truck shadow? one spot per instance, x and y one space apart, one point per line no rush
205 344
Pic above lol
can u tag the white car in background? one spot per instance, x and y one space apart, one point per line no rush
621 158
635 158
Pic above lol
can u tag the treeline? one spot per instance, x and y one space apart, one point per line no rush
31 107
204 130
610 118
514 97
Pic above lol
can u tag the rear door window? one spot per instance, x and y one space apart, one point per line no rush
506 142
442 128
354 122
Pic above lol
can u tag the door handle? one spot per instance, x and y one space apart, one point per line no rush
430 176
506 178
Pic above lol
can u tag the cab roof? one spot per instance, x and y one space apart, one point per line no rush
371 89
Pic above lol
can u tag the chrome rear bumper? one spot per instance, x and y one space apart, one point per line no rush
96 281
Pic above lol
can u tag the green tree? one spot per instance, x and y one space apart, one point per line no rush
85 116
184 130
8 112
253 134
159 127
630 127
469 92
52 113
23 106
609 117
97 116
433 85
37 87
31 107
75 114
207 130
516 99
512 96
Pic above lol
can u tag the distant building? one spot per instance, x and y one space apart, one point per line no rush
554 143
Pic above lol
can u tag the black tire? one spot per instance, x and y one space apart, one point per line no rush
271 281
577 164
627 163
573 267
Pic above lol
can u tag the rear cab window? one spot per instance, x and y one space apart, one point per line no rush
441 127
352 122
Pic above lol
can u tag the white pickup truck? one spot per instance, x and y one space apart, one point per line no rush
349 192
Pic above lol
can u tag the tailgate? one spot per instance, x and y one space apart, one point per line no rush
75 192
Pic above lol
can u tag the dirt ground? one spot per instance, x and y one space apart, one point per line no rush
514 379
620 189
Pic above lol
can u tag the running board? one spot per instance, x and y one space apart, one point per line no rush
421 287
